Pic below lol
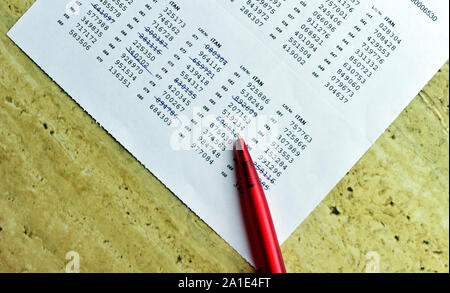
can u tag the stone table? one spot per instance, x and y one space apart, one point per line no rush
67 185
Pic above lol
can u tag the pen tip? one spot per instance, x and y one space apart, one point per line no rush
239 144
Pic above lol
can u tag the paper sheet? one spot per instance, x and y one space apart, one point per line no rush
309 84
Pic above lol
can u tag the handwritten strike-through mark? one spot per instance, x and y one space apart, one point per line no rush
215 53
186 89
153 47
229 128
139 61
105 15
203 67
244 106
153 35
263 173
165 106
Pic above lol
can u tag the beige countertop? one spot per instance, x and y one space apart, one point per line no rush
66 185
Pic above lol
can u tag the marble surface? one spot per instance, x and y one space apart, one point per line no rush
66 185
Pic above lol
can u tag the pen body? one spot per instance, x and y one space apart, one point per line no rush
260 229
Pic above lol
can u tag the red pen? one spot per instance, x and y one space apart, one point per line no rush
258 221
